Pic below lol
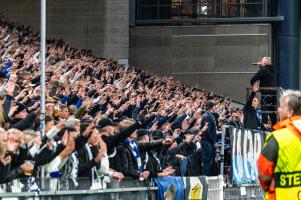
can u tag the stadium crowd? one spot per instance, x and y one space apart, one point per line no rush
103 121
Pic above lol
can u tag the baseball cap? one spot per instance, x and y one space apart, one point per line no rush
103 122
141 132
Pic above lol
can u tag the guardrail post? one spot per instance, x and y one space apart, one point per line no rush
223 150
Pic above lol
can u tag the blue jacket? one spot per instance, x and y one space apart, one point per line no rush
210 134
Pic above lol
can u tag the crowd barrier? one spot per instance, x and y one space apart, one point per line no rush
247 192
128 189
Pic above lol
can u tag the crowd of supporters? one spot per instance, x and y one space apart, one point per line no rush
103 121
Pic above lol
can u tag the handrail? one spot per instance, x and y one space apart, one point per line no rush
278 91
211 20
78 192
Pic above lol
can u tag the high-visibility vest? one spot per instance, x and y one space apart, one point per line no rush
287 172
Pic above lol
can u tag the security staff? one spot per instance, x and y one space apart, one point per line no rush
279 164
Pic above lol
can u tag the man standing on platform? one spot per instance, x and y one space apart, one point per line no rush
266 77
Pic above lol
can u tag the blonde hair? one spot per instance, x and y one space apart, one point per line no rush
12 131
268 59
29 136
2 119
2 144
126 123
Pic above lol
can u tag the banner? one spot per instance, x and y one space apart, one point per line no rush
178 188
195 187
246 146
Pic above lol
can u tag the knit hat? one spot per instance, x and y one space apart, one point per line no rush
71 122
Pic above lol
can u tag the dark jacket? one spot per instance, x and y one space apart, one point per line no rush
210 134
113 141
46 155
24 123
7 174
251 120
266 76
6 107
85 164
170 159
13 169
126 161
194 158
149 162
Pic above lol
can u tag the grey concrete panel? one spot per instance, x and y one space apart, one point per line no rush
191 52
116 19
68 10
150 41
32 21
232 51
242 29
77 42
220 84
209 48
116 53
66 2
107 31
120 9
60 22
33 10
123 42
247 40
75 31
115 2
192 41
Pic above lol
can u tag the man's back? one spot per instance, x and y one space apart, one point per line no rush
210 134
266 76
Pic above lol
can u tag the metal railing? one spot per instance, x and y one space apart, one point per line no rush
128 189
272 93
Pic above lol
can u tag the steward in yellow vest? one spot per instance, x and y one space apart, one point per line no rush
279 164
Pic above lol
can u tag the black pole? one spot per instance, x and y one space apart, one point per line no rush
287 44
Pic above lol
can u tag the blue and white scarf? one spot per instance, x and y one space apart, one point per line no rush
33 186
136 154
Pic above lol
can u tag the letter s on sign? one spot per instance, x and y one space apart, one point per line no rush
282 180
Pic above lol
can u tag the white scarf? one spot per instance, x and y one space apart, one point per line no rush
96 183
147 158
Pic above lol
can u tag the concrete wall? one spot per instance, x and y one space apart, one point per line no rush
99 25
215 57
